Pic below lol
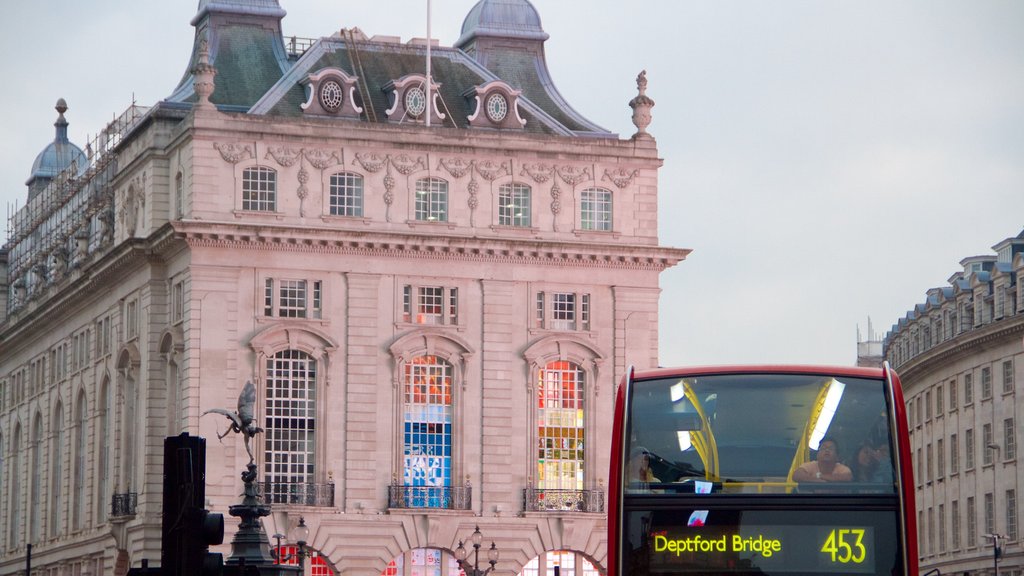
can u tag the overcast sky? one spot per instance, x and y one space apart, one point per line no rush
826 161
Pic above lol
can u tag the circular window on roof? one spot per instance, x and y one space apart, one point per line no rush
415 101
497 107
331 95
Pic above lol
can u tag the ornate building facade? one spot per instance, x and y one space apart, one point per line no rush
434 288
960 356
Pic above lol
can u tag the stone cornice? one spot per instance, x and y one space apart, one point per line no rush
427 246
1002 332
92 282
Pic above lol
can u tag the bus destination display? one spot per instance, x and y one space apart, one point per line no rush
846 549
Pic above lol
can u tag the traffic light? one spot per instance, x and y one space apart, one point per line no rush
188 528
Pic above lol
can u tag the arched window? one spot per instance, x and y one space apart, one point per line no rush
259 189
431 200
57 468
106 407
290 456
346 194
560 426
35 489
596 209
514 205
78 511
15 527
427 433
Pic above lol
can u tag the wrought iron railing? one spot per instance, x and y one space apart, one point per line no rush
443 497
298 493
546 500
123 504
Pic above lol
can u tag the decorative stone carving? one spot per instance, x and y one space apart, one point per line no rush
540 173
203 75
371 162
473 201
408 100
321 159
406 165
641 106
491 170
234 153
284 156
457 167
302 192
573 175
620 177
556 204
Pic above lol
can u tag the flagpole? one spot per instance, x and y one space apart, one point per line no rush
430 104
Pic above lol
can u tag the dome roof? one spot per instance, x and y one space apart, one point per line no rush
254 7
58 154
502 18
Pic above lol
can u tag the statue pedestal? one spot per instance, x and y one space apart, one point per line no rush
250 548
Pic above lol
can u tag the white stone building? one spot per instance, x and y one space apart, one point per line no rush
435 313
960 355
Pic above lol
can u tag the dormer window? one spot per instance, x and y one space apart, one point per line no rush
497 106
332 92
408 98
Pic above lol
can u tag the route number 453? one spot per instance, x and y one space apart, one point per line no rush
845 546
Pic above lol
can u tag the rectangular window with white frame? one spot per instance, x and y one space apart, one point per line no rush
954 455
292 298
1011 515
986 443
431 305
1009 440
986 383
177 302
1007 376
131 319
969 449
563 311
259 189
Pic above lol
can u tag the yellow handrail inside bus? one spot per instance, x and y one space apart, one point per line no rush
703 440
803 448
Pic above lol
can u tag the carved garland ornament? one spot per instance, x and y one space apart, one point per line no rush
620 177
284 156
234 153
404 163
573 175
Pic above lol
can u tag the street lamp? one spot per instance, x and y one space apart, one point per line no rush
300 535
474 569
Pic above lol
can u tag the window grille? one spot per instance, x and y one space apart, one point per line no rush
290 437
259 189
346 194
427 434
514 205
560 426
431 200
596 209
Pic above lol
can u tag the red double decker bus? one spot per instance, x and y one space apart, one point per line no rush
767 470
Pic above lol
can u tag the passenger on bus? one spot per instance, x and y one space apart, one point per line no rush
639 469
865 465
826 468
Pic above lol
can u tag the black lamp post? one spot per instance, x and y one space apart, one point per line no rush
300 535
474 569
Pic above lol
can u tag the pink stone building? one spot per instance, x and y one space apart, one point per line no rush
435 316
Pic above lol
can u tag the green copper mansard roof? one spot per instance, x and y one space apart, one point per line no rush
500 40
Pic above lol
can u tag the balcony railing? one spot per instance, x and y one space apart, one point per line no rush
547 500
298 493
123 504
443 497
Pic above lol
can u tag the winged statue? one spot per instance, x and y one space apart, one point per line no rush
243 420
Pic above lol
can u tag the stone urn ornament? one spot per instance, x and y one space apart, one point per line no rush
641 106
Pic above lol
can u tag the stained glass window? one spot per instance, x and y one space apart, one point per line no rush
427 409
560 426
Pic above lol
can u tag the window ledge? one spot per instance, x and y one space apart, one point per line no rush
596 233
401 325
259 214
446 224
338 219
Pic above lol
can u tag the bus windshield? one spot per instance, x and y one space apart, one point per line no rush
758 433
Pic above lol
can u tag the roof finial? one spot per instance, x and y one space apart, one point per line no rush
641 106
203 74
